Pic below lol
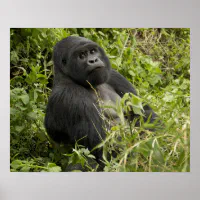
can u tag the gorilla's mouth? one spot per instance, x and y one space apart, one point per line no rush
96 68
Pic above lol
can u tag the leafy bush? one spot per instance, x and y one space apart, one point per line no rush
155 61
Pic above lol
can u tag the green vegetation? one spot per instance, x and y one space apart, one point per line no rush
155 61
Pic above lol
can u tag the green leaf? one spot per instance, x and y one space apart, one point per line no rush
49 165
19 129
32 115
50 63
35 95
41 76
16 164
13 111
14 57
131 73
91 156
25 169
31 78
157 153
41 135
168 98
86 152
55 169
52 167
24 98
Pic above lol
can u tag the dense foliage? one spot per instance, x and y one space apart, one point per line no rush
155 61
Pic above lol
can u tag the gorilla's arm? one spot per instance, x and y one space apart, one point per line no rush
71 115
122 86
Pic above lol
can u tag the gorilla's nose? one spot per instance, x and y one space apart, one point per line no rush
92 61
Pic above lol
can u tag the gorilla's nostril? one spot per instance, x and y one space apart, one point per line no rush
91 61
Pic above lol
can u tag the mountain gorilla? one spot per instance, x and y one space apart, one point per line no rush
81 68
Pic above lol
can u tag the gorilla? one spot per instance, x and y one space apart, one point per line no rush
81 67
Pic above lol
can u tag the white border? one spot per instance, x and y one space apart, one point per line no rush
101 13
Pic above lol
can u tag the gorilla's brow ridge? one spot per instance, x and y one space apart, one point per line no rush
85 47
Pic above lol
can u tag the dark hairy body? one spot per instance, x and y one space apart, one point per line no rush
81 67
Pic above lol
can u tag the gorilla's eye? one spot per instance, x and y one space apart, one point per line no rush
92 51
64 61
82 55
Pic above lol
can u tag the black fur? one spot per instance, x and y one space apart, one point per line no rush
72 108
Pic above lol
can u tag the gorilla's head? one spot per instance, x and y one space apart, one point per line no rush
81 60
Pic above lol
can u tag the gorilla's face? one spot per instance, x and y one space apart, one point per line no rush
88 63
83 61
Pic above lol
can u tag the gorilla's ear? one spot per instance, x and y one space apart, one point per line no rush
58 57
